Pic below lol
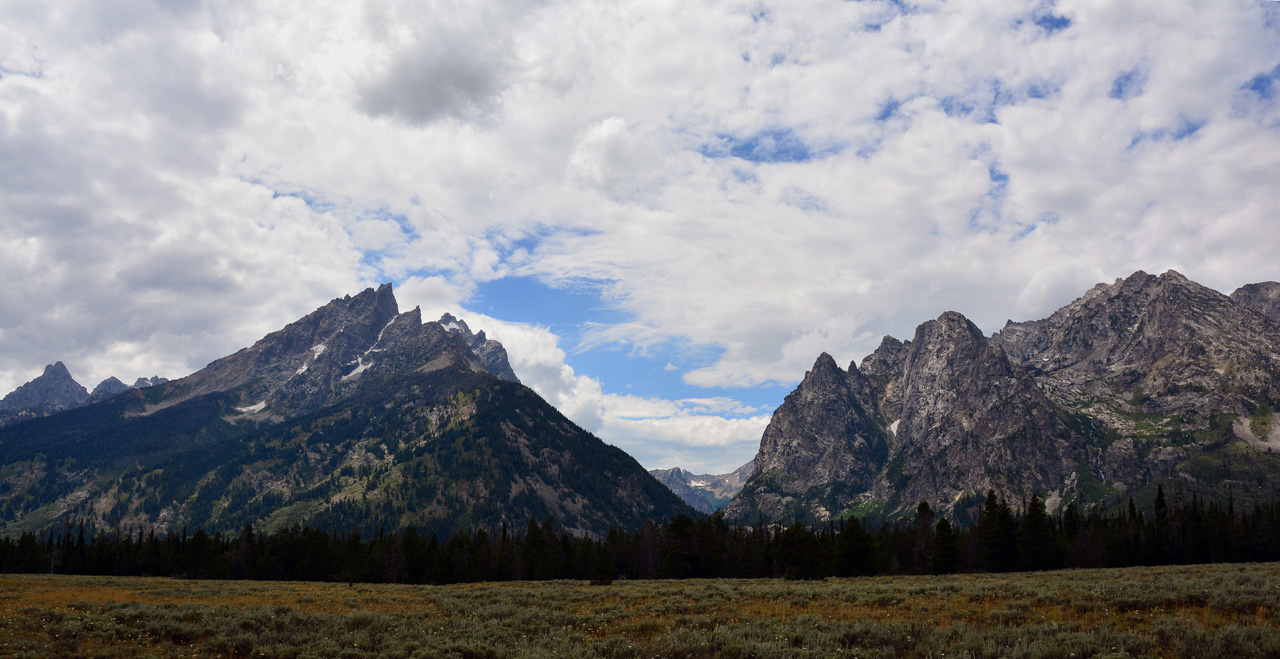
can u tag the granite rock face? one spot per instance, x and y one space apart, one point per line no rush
1163 345
330 353
823 447
970 421
1147 380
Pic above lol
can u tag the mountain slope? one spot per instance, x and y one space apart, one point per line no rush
392 422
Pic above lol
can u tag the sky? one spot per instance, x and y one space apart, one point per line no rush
665 210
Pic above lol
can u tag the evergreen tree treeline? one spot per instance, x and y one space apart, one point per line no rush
1000 540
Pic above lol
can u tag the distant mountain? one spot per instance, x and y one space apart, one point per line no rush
705 492
1142 382
353 417
109 387
56 390
53 391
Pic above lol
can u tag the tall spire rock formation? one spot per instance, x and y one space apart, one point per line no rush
820 450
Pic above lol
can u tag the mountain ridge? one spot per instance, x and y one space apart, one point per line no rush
1145 381
354 417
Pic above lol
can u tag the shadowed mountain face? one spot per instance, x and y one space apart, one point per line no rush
353 417
1145 381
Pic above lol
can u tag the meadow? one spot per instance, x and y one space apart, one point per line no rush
1224 610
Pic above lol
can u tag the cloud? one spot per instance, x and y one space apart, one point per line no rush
762 182
438 59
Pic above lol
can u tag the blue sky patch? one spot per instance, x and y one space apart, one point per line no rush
620 368
1264 85
766 146
1051 23
955 106
1185 129
313 202
1128 85
528 300
1047 219
888 109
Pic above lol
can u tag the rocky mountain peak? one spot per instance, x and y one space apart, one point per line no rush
970 421
1263 297
329 353
883 369
887 360
490 352
825 431
109 387
825 372
705 492
53 390
1126 384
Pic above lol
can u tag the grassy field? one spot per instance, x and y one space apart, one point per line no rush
1201 611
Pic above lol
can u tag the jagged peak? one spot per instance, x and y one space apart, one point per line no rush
825 362
57 369
452 323
951 322
889 343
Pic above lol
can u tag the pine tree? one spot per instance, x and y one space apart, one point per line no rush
946 548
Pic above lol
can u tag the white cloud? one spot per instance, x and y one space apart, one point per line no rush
771 180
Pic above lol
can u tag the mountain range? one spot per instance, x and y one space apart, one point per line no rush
705 492
358 416
355 417
1145 382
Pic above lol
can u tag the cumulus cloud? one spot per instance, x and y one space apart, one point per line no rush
764 180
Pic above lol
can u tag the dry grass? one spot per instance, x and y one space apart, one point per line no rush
1205 611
